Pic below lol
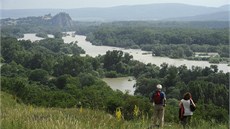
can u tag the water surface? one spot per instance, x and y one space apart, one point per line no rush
124 84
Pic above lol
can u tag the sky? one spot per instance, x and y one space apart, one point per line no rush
68 4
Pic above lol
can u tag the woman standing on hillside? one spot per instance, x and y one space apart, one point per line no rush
186 104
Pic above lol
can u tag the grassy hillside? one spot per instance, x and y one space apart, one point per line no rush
20 116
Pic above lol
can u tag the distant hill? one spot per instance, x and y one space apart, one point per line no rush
125 13
217 16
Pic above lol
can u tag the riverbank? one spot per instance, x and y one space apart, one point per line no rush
137 54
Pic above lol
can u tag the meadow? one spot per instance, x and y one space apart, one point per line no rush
20 116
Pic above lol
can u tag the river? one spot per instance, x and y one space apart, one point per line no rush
32 37
124 84
138 54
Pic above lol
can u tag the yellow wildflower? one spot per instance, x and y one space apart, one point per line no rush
136 111
118 114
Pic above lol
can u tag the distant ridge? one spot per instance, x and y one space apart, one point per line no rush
217 16
125 13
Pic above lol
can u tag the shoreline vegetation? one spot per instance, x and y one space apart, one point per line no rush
211 57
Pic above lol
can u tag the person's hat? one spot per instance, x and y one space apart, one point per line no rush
159 86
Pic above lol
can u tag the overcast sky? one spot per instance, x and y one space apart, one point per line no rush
67 4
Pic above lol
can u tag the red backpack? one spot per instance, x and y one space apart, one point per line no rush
157 97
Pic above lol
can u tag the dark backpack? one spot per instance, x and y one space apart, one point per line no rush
157 99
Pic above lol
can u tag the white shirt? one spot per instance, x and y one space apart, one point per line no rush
187 110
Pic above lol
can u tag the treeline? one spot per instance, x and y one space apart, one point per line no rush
115 35
175 42
87 27
44 74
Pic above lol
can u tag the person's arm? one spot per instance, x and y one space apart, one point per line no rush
164 100
193 103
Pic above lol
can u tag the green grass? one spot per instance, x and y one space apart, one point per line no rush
20 116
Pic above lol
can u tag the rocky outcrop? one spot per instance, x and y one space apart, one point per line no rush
62 20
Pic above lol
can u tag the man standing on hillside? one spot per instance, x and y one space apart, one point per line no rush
158 99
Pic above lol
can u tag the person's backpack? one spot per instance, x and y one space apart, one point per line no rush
192 107
157 99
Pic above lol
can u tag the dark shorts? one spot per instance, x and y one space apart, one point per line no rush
186 120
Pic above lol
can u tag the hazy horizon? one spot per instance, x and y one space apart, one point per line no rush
71 4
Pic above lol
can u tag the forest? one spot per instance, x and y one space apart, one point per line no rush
50 73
